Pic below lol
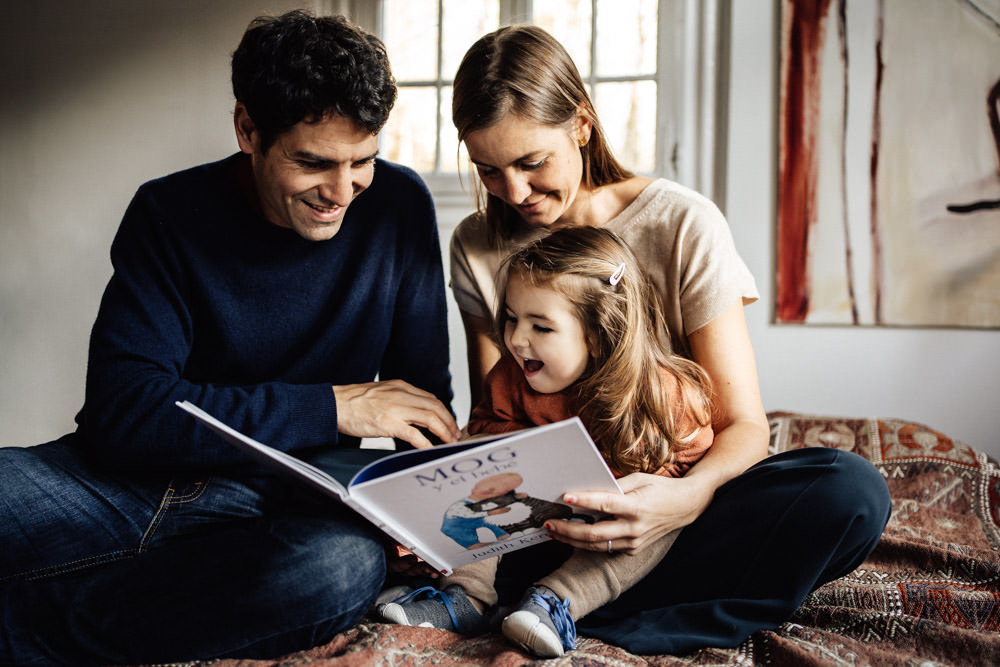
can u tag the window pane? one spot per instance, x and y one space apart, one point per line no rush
408 137
628 115
569 22
626 37
465 21
410 37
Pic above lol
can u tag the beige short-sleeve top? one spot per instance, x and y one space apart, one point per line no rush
680 238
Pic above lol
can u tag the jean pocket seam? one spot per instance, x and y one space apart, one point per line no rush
71 566
170 497
195 493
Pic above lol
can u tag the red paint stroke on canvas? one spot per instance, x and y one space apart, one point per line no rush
804 34
873 165
852 298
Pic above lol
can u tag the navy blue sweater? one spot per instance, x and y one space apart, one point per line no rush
210 303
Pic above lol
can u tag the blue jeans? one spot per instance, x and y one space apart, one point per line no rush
98 567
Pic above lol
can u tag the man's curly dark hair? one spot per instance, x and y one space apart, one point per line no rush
299 67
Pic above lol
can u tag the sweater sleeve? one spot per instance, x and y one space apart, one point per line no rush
140 348
418 350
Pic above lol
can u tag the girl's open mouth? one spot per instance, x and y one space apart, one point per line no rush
532 365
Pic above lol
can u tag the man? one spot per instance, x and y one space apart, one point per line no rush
270 288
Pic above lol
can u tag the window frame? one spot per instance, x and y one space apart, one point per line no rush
692 77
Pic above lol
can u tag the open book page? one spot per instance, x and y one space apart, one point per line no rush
490 499
297 469
268 456
455 504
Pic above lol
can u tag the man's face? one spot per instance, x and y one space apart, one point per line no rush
311 173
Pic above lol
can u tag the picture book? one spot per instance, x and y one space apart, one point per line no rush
456 504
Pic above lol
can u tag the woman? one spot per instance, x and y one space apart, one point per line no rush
522 110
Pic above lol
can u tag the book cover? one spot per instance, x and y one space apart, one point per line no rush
456 504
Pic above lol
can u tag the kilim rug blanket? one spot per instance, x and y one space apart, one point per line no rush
928 595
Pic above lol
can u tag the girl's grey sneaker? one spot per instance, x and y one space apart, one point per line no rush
391 593
542 624
428 607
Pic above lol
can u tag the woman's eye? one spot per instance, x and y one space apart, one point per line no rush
531 166
540 329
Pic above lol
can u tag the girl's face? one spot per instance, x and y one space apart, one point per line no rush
537 169
545 336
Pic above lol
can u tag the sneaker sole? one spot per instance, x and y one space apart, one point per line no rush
527 631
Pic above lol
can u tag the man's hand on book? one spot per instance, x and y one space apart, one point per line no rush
393 409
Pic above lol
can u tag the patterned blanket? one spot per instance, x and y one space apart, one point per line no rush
928 595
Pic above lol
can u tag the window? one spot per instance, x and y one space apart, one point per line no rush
654 69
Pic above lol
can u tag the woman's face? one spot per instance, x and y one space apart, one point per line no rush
535 168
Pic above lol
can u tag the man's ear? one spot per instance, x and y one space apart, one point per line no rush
247 135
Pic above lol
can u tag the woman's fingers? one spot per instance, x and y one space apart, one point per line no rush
640 514
617 504
594 537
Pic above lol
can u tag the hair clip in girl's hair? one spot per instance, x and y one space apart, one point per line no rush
616 277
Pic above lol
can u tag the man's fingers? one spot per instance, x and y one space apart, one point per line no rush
393 409
413 436
427 410
403 423
438 421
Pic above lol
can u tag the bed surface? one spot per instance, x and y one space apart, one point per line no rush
928 595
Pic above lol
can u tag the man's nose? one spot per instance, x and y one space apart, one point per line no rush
338 187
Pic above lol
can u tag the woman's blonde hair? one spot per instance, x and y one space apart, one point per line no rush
632 415
523 70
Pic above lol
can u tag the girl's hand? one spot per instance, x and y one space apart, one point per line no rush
651 507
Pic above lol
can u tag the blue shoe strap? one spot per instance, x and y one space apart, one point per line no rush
433 594
559 612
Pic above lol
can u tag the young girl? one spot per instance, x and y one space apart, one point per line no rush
582 334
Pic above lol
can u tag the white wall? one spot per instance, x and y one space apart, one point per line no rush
947 379
100 95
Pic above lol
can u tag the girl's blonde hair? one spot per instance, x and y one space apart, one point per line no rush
633 417
523 70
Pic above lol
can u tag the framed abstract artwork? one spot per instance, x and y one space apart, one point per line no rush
889 163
